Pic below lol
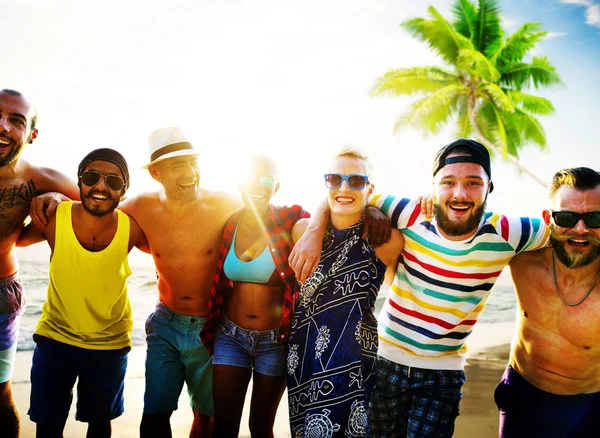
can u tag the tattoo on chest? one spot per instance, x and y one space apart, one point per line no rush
18 195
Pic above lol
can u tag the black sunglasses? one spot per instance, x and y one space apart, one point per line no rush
92 177
568 219
354 181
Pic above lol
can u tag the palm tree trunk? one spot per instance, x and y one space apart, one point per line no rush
490 145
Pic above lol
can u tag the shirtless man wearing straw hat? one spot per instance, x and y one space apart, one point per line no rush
183 223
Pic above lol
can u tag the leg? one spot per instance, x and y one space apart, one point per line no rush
165 373
199 379
100 389
202 425
49 430
9 415
388 408
52 381
99 430
156 425
266 395
434 403
10 313
230 384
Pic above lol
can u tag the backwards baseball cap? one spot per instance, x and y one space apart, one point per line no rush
106 154
479 155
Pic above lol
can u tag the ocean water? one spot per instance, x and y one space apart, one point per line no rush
143 294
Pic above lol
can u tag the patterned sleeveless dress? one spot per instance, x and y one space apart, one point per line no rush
332 354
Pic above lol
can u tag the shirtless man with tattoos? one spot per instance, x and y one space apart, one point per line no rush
20 182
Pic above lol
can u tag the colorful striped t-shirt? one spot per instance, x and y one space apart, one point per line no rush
441 286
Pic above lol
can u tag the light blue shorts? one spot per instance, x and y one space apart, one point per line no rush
176 355
249 349
11 308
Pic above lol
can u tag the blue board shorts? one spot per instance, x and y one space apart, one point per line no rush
527 411
249 349
55 368
175 355
12 306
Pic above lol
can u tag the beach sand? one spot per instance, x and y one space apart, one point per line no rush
478 414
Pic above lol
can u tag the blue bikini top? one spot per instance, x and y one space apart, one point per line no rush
260 270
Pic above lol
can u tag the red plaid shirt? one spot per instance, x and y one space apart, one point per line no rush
279 226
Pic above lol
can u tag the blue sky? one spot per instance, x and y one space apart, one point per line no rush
288 77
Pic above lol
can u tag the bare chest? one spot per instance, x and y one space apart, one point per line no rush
541 306
15 199
190 238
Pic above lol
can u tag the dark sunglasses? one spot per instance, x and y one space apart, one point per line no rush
267 181
92 177
354 181
568 219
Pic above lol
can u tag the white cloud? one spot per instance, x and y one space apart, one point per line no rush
592 13
555 34
577 2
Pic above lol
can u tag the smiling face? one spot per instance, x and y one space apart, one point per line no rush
260 183
100 199
460 193
344 202
16 116
579 245
179 176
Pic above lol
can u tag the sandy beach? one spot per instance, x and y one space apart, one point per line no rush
478 413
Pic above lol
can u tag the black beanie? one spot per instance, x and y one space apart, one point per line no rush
106 154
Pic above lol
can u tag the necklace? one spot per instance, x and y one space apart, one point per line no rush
558 292
94 235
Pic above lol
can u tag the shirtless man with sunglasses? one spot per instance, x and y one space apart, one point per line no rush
20 182
552 384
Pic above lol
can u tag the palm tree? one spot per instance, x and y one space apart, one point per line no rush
483 93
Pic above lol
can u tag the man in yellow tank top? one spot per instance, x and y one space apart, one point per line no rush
84 331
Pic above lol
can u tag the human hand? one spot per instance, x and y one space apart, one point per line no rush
426 202
306 254
44 206
376 226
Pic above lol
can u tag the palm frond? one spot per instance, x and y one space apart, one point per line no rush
529 126
464 17
517 45
488 31
477 65
539 73
439 34
413 80
530 103
429 114
498 97
491 123
463 124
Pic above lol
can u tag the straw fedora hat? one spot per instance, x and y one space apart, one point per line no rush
167 143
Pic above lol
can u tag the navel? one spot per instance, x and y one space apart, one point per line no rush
525 314
585 347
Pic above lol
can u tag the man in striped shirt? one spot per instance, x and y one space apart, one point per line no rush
444 276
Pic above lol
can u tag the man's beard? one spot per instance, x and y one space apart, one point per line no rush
96 211
453 228
573 259
13 154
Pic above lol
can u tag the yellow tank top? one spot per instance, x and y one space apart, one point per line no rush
87 303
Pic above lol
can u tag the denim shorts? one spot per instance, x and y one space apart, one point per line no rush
249 349
55 368
175 355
